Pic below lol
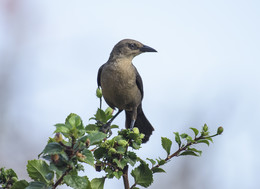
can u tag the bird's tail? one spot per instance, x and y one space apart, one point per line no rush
141 123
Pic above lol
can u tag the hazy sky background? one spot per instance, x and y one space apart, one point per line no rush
206 71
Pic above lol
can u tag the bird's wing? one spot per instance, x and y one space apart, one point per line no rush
99 76
139 82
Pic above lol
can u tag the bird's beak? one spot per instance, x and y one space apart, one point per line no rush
146 48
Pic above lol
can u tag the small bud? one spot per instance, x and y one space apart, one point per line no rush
80 156
136 130
112 151
58 137
99 93
205 128
142 136
220 130
87 142
14 179
109 111
55 158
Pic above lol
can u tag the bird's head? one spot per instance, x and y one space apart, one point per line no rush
128 48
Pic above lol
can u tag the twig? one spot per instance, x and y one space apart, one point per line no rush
125 177
61 178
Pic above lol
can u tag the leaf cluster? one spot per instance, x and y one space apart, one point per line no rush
75 145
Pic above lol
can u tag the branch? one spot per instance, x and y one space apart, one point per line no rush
58 182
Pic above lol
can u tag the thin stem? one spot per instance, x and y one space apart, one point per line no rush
125 177
61 178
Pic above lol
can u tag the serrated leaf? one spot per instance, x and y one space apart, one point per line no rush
196 131
118 174
120 163
77 182
52 148
166 144
100 152
73 120
101 116
188 152
131 158
21 184
143 175
157 170
98 183
37 185
96 137
38 170
177 138
152 161
91 127
89 157
203 141
62 128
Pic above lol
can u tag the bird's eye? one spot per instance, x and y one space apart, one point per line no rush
132 46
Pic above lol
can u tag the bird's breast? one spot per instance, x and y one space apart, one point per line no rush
118 82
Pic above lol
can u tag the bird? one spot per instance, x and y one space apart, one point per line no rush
122 85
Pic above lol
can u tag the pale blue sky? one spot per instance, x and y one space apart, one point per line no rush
206 71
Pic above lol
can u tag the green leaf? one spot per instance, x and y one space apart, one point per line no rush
62 128
101 116
188 152
89 157
91 127
210 139
203 141
114 127
195 150
74 121
189 139
142 175
184 135
161 161
118 174
131 158
21 184
177 138
196 131
37 185
120 163
152 161
120 149
166 144
98 183
77 182
157 170
53 148
100 152
96 137
38 170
